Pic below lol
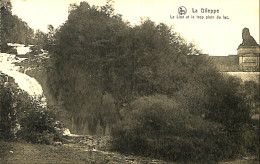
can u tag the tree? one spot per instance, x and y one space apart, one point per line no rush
50 37
13 29
6 4
97 54
84 47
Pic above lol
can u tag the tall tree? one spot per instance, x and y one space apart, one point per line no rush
13 29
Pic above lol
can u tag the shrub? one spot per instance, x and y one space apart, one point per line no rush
40 126
7 113
157 126
21 117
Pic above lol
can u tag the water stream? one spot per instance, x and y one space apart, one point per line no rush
9 65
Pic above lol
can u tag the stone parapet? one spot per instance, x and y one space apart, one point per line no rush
248 51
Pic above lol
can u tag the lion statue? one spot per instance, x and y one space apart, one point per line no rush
248 40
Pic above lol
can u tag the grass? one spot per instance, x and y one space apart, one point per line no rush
22 152
27 153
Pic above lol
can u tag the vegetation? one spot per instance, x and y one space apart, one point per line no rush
252 96
101 54
162 127
143 84
159 127
13 29
21 117
166 100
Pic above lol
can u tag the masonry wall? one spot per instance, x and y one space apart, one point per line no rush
249 58
226 63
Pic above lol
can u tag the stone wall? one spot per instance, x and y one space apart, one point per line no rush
246 60
249 58
226 63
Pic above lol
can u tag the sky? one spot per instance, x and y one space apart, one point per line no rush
216 37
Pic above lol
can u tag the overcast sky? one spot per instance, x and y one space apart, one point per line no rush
219 37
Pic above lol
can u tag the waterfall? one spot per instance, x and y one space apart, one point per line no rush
24 82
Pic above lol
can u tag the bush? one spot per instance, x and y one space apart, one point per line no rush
21 117
252 96
7 113
40 126
157 126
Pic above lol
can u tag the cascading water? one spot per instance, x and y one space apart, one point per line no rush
9 66
25 82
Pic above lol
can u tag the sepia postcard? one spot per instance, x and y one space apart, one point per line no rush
129 81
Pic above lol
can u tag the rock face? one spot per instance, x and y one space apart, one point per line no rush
248 40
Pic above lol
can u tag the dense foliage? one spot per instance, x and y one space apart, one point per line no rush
21 117
162 98
165 128
145 82
96 52
160 127
13 29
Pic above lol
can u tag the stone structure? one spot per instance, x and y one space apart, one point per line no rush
248 40
228 63
248 53
246 60
249 58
